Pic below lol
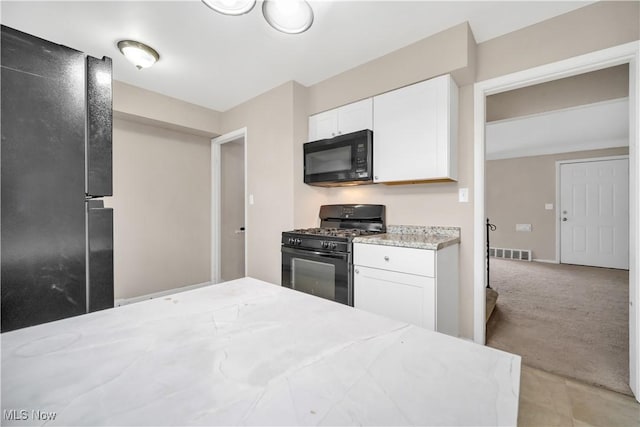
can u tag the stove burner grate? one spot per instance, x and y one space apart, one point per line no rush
334 232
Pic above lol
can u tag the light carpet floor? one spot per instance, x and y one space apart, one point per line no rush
565 319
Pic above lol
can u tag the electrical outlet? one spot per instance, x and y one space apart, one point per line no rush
523 227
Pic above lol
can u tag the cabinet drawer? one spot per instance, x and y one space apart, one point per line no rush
393 258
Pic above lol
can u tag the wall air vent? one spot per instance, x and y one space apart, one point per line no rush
519 254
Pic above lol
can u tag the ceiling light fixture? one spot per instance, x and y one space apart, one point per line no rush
231 7
139 54
288 16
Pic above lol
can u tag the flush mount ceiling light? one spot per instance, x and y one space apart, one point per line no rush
288 16
231 7
139 54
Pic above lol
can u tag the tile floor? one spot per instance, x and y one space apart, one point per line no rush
548 400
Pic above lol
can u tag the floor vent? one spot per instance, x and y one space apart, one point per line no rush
519 254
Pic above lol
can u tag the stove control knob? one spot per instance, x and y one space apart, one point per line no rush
334 245
325 245
299 241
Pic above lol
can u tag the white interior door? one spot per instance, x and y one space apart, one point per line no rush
594 213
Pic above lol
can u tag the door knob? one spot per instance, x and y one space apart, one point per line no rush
386 258
564 219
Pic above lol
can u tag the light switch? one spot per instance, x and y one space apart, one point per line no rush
250 199
523 227
463 195
548 206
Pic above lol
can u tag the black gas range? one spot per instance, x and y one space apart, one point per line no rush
319 260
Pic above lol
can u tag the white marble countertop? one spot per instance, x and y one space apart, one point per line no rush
249 353
412 236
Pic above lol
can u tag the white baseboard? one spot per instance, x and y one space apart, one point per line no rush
548 261
125 301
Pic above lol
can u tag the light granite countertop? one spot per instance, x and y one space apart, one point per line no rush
413 236
247 352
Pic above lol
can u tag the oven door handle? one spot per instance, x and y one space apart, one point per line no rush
342 256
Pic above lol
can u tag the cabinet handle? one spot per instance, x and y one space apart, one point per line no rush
386 258
333 134
357 271
339 133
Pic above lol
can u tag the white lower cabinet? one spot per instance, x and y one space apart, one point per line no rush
401 296
417 286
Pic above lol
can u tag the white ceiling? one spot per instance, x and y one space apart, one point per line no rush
587 127
220 61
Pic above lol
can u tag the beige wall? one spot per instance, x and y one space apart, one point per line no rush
450 51
588 88
269 122
306 198
143 106
161 200
277 128
597 26
517 191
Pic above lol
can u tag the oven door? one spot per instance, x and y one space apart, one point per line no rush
323 274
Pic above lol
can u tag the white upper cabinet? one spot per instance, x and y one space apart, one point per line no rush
339 121
415 132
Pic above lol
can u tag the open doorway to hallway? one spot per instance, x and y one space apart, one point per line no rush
562 318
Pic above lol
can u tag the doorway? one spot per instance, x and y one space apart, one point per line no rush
624 54
565 319
229 212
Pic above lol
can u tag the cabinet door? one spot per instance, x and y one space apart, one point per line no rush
404 297
323 125
356 116
412 130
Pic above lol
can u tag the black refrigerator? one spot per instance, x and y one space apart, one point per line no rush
56 238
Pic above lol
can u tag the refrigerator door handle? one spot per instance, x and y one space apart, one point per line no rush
99 180
99 256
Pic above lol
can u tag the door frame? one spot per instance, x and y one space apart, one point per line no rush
628 53
558 213
216 193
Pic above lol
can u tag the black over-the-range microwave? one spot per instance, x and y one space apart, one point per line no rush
342 160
